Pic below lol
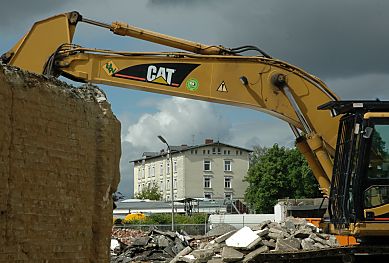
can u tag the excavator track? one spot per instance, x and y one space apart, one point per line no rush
341 254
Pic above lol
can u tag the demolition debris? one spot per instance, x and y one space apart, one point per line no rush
243 245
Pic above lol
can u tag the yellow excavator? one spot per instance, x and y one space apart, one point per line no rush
346 143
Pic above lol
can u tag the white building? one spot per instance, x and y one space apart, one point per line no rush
212 170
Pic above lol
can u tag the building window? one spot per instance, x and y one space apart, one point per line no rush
167 184
195 151
219 151
203 151
208 195
227 166
213 150
175 166
237 152
167 167
208 151
191 151
227 182
207 182
207 165
161 185
161 168
224 152
175 183
148 171
228 196
228 152
143 172
153 171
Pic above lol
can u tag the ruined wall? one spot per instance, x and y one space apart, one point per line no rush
59 164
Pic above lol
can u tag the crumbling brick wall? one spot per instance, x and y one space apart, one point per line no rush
59 164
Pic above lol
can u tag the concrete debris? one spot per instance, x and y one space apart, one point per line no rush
244 245
220 229
242 238
231 255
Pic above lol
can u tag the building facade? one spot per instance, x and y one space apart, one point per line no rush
212 170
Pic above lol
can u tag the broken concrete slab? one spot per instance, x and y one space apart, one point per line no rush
242 238
254 254
163 241
220 229
188 259
303 233
202 255
307 243
141 241
261 226
262 232
253 244
318 239
288 244
215 260
269 243
230 254
182 253
223 238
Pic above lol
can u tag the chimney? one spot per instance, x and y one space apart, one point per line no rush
208 141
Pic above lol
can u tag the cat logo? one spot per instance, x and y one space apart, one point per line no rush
160 75
167 74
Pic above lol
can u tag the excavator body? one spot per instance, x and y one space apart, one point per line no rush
348 152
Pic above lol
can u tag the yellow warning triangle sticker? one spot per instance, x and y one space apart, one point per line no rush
160 80
222 87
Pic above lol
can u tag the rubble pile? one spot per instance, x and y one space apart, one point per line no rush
126 236
243 245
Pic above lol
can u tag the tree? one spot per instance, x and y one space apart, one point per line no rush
277 173
149 192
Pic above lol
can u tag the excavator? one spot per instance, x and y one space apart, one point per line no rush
346 143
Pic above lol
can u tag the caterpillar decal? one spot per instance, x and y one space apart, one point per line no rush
169 74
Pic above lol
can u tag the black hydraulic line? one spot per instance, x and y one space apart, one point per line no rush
247 48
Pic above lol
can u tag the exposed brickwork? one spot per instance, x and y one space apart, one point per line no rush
59 164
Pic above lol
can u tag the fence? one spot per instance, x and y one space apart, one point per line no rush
191 229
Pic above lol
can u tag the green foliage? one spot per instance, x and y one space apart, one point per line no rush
277 173
165 219
149 192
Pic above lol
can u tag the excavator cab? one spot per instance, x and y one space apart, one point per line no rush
360 181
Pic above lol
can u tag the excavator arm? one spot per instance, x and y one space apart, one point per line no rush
210 73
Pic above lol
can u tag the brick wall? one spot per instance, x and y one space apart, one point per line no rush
59 164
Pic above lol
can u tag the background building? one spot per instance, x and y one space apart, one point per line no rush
213 170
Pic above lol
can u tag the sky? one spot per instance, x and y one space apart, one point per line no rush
343 42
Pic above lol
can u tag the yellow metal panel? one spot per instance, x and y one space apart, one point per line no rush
35 48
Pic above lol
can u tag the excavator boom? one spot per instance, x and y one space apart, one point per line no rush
215 74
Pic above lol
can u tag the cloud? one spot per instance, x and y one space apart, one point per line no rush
265 133
331 39
15 13
366 86
177 120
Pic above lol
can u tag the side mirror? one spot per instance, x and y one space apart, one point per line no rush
367 133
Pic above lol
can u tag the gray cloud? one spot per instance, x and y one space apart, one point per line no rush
343 42
331 39
14 13
327 38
